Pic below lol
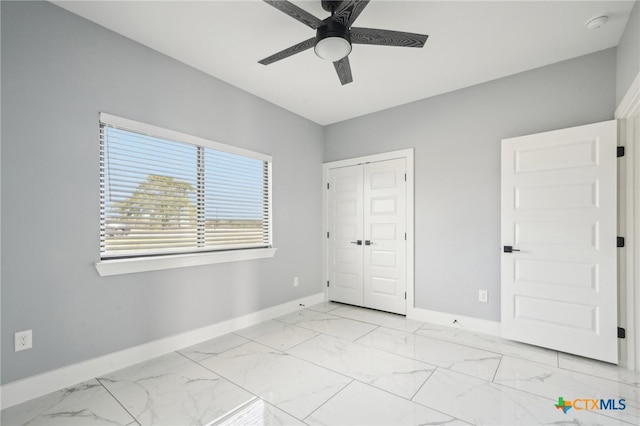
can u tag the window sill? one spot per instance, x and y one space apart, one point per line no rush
144 264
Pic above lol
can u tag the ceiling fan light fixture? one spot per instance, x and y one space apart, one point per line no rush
332 42
332 48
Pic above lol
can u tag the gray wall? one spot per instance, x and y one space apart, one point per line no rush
457 137
58 72
628 54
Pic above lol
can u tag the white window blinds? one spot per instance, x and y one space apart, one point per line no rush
164 192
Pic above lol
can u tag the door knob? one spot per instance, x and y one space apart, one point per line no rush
509 249
367 242
359 242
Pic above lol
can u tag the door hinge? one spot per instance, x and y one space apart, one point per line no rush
328 185
405 236
620 151
405 295
405 177
327 234
327 283
622 333
620 242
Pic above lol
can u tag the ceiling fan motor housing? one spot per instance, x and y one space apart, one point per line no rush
330 28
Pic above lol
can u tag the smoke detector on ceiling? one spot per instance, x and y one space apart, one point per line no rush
597 22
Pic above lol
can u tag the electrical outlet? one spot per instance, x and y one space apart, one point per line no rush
23 340
483 296
296 282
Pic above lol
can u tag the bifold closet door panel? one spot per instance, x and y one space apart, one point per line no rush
385 235
345 256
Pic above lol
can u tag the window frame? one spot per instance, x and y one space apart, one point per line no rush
143 262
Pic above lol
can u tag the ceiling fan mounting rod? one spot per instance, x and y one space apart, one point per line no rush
330 5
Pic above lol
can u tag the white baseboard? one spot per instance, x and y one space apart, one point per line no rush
41 384
468 323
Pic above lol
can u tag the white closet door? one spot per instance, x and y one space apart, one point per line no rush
367 235
385 236
559 277
345 205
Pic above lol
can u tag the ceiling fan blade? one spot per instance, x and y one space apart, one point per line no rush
344 70
295 12
348 11
297 48
387 38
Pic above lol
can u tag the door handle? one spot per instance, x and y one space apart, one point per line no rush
509 249
359 242
367 242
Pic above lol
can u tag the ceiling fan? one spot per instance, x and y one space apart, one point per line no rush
335 35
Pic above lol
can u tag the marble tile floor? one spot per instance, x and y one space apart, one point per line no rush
334 364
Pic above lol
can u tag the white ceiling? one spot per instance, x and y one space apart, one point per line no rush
469 42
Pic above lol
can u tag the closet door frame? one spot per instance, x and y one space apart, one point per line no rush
407 154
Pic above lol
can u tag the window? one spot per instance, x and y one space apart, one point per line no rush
166 193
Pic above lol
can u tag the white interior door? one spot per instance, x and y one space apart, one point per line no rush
367 235
385 236
345 254
559 290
